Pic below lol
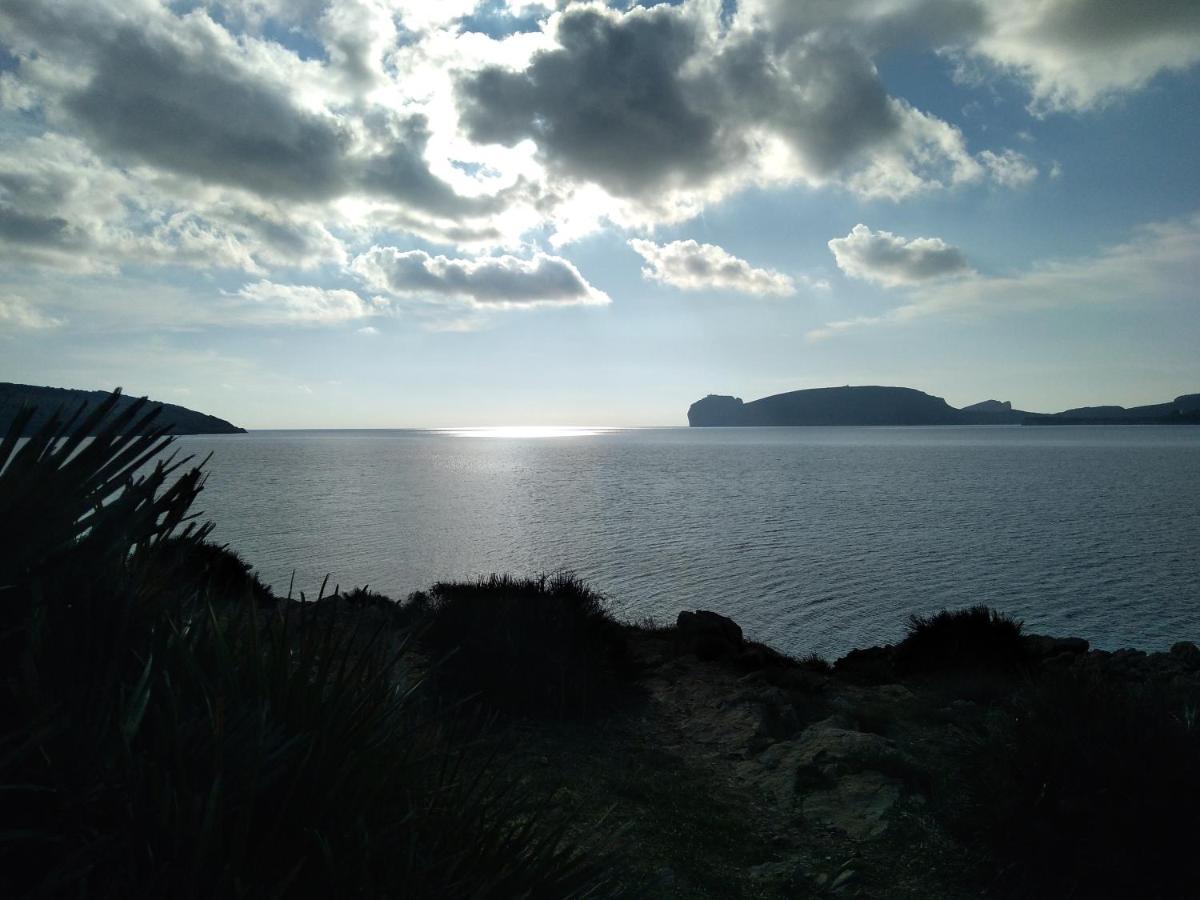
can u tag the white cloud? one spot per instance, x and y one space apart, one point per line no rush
266 302
893 261
487 282
17 312
1159 265
696 267
1009 168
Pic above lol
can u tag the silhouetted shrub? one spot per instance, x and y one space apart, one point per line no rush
544 647
978 637
867 665
158 742
814 662
1089 787
216 571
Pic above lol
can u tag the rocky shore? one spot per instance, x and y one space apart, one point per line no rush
735 771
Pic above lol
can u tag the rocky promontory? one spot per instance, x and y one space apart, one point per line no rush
49 399
875 405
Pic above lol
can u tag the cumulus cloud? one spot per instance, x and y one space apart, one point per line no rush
893 261
696 267
488 283
609 104
269 303
1077 53
663 112
1160 264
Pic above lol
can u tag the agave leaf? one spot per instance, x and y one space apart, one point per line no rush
138 702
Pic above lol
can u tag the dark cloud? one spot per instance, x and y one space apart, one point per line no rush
824 97
188 110
611 105
401 173
489 282
894 261
650 101
182 96
1115 23
911 24
22 228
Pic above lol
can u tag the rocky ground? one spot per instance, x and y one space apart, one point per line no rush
733 772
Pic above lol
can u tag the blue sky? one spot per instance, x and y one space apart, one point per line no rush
339 213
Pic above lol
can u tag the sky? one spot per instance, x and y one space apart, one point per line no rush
390 213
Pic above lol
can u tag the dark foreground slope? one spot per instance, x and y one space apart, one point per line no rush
873 405
47 399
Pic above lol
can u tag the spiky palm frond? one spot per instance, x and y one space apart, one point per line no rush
164 735
76 478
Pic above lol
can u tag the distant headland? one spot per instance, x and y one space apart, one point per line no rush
873 405
47 399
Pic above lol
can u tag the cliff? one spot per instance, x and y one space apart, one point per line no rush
49 399
873 405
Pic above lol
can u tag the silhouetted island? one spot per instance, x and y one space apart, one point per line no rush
48 399
873 405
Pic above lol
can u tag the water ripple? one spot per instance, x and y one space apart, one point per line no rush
812 538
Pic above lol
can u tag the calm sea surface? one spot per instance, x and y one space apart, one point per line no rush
813 539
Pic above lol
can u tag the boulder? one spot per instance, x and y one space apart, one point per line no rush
1187 654
857 804
1040 646
708 635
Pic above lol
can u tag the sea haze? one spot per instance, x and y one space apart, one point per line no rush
813 539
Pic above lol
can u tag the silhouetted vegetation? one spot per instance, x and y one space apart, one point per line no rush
1088 786
162 739
544 647
977 637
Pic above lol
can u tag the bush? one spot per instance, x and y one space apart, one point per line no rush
159 740
214 570
543 647
1089 787
975 638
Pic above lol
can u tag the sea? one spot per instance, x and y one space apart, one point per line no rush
812 539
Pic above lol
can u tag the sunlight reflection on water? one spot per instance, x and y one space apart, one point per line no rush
527 431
